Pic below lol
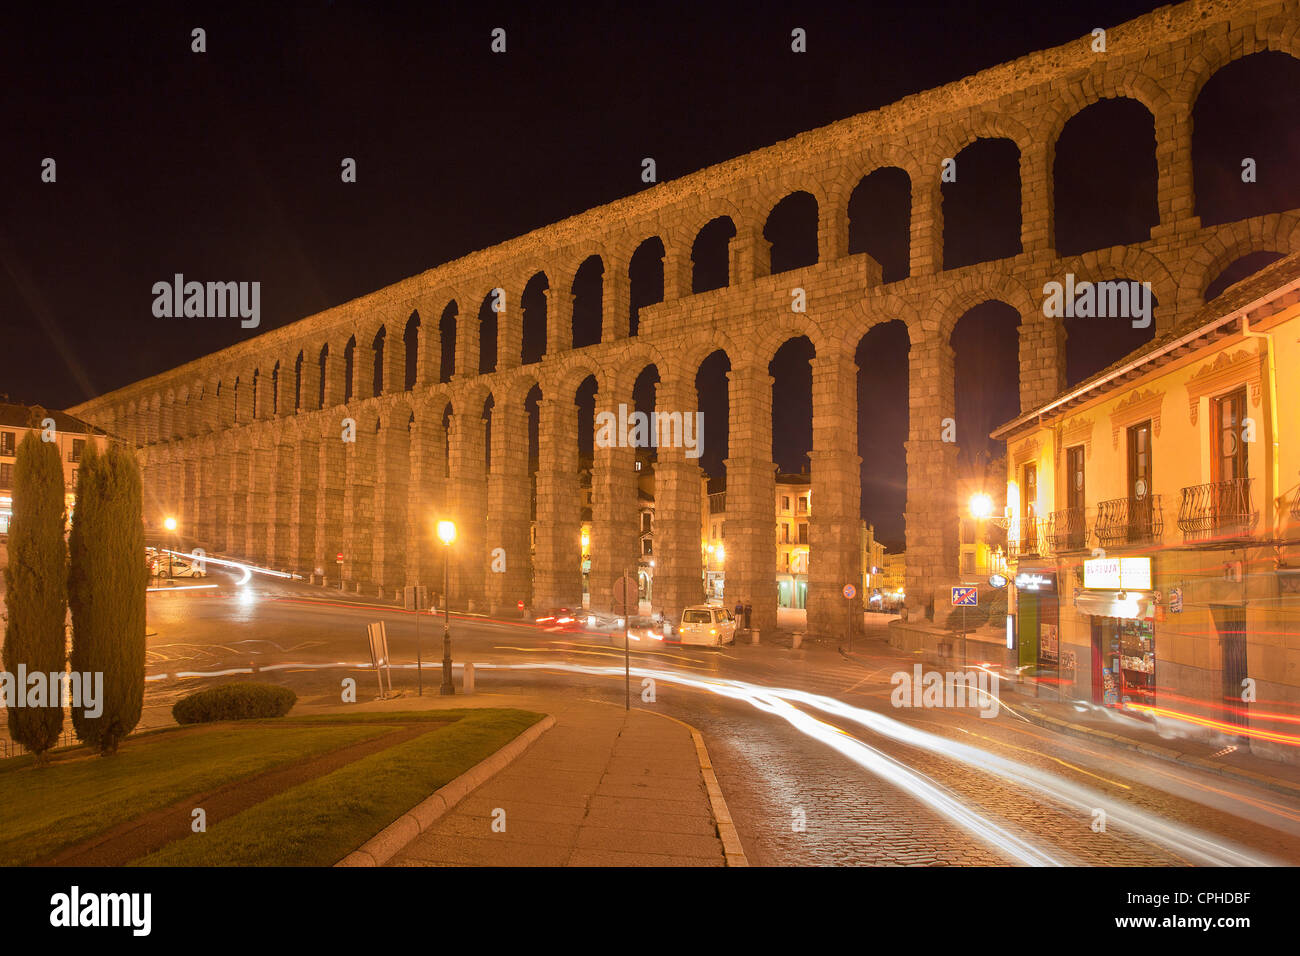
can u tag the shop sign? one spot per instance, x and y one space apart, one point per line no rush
1035 581
997 580
1117 574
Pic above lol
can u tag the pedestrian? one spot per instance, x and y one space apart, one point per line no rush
740 611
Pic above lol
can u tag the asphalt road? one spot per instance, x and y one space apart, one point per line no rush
817 766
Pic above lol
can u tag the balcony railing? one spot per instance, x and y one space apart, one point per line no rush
1068 530
1220 509
1295 506
1030 541
1122 521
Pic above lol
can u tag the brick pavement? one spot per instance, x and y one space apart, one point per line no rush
603 787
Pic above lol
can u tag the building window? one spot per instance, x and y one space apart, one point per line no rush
1229 448
7 444
74 453
785 503
785 532
1074 494
645 521
968 562
803 533
1139 460
803 504
6 475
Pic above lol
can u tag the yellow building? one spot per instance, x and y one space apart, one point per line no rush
793 506
1154 519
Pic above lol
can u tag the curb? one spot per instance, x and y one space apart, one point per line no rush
731 846
392 839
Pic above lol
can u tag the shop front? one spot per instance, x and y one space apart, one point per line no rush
1038 624
1118 599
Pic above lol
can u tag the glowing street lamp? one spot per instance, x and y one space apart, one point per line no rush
981 506
446 534
170 524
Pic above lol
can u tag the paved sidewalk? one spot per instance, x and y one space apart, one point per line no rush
603 787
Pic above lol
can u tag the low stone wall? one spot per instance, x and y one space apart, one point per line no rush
942 647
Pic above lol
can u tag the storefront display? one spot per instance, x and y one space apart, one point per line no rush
1125 649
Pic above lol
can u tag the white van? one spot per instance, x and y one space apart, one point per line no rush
702 624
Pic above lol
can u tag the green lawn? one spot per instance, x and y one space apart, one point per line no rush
45 809
319 822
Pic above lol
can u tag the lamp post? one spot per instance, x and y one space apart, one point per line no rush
446 534
170 524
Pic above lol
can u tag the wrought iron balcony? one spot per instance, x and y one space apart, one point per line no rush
1068 530
1220 509
1031 542
1122 521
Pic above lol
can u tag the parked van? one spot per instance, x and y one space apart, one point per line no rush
703 624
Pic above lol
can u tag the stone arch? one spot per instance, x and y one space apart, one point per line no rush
489 332
1100 264
587 289
1100 222
535 315
1281 35
1067 99
964 294
711 255
1234 241
791 227
447 322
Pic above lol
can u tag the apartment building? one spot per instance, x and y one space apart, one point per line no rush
1154 524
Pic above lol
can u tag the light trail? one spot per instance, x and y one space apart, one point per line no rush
916 784
1184 841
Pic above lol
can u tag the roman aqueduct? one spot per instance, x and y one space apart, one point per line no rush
245 445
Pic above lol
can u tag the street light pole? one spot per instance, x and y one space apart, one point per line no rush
447 534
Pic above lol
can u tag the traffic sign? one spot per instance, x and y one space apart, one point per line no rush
850 592
965 597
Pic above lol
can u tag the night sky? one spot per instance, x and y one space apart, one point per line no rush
225 165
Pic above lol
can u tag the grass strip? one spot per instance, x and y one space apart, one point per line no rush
319 822
48 808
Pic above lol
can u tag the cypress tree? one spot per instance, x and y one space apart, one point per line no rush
106 589
36 592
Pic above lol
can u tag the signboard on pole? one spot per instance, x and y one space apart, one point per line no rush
850 592
965 596
379 656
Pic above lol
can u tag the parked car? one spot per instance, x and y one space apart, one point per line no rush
702 624
178 568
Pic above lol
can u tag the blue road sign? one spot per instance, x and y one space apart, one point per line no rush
965 597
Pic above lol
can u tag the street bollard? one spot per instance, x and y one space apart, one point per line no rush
797 641
753 635
468 679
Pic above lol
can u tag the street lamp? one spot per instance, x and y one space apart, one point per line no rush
446 534
170 524
981 506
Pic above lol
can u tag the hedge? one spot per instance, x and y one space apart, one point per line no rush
241 701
